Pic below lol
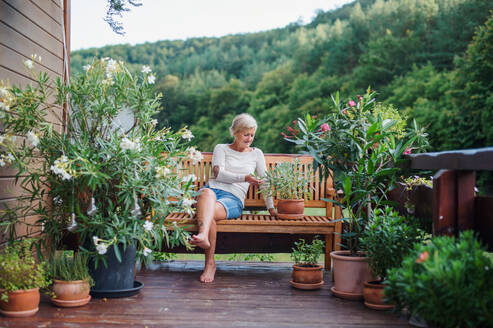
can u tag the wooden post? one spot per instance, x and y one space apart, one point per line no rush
466 181
444 203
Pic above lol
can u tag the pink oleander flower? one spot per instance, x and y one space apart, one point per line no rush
407 151
324 127
344 111
351 103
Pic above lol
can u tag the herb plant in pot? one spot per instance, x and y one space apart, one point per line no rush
387 239
104 172
20 280
307 273
289 184
359 146
71 279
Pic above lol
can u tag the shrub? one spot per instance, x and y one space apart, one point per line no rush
446 282
19 270
387 239
307 254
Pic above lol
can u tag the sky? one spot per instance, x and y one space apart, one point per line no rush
181 19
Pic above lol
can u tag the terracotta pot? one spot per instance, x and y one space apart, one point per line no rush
373 295
22 303
307 277
291 209
350 272
71 293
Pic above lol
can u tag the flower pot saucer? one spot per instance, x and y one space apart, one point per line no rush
19 314
380 307
346 295
300 285
116 293
290 216
71 303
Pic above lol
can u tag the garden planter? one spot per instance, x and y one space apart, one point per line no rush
22 303
71 293
350 272
115 279
290 209
373 295
307 277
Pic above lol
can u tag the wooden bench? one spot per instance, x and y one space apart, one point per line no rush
261 232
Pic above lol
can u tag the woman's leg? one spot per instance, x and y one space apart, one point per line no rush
208 211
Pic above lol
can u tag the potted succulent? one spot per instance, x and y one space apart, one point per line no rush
387 239
71 279
446 282
290 185
358 145
307 273
104 172
20 280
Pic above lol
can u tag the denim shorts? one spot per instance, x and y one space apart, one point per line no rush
231 203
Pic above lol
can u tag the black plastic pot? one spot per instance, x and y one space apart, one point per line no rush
115 275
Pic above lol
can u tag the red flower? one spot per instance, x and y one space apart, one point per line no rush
422 257
407 151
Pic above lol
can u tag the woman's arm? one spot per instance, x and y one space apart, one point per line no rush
261 172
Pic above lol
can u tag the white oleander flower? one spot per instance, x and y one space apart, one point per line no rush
28 63
147 251
194 155
33 138
187 134
128 144
102 248
151 78
188 202
162 172
148 225
2 162
154 122
59 168
86 67
146 69
95 239
10 157
189 177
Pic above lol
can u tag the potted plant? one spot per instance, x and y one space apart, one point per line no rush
387 239
307 273
71 279
446 282
104 172
358 145
20 280
290 185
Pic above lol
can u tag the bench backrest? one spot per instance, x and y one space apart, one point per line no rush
318 189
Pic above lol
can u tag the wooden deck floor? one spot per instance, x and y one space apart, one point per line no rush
243 295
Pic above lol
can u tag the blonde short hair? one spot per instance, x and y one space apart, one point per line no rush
242 122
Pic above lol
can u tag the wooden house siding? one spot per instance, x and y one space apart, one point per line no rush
30 27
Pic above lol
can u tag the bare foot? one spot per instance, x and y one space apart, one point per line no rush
200 240
208 274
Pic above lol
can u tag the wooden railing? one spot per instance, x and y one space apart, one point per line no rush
455 205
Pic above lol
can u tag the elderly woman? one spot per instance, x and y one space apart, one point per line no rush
223 197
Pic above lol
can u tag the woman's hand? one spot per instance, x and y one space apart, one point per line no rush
273 212
253 180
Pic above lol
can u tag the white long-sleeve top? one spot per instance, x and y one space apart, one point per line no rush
233 167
